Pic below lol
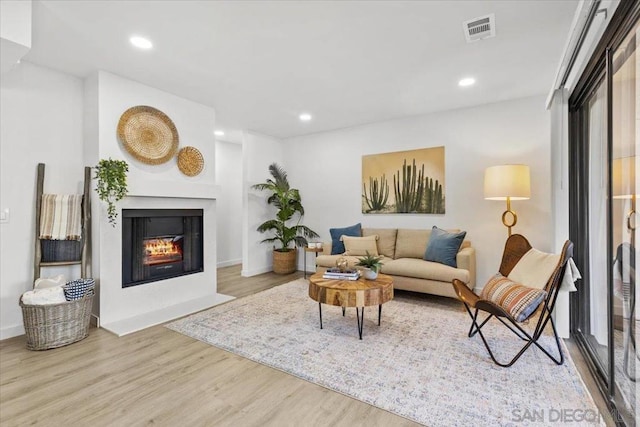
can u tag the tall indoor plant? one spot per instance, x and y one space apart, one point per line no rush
111 177
286 227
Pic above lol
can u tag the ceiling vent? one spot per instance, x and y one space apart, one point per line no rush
480 28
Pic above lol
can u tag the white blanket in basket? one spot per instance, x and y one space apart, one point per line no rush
44 296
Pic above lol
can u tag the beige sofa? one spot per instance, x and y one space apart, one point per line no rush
402 251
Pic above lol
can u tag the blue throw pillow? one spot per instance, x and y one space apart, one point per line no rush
337 247
444 246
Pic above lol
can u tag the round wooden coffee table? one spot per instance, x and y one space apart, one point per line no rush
359 293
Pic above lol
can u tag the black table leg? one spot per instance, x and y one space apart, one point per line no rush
360 316
379 313
320 309
305 266
343 310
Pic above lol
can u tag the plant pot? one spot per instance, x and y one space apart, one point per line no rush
369 274
284 262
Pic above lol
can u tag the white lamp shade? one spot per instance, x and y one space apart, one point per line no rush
623 177
512 181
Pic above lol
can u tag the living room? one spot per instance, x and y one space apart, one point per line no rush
61 103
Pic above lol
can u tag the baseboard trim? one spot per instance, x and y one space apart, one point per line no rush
146 320
11 331
229 263
250 273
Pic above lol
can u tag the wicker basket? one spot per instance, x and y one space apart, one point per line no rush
284 262
190 161
56 325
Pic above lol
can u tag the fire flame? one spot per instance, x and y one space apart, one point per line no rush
161 247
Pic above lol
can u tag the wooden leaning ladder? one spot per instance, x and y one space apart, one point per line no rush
85 259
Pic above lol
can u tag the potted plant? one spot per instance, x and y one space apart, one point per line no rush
371 266
111 176
286 227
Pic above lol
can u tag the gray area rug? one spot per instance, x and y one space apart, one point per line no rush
418 364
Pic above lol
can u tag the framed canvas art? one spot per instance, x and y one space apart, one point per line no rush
404 182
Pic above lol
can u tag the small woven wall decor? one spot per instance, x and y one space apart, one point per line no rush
190 161
148 134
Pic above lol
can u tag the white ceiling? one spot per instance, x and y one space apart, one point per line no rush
261 63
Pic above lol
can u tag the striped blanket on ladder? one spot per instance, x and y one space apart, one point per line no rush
61 217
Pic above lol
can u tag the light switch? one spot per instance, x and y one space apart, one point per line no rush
4 215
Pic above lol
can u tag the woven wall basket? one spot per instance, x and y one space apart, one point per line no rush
190 161
148 134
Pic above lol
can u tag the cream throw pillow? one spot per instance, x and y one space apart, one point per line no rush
359 246
386 239
534 268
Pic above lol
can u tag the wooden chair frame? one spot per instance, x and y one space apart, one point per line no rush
85 259
515 247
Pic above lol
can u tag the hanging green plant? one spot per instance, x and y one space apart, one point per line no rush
112 184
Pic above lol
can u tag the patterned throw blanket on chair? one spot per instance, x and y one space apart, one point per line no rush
61 217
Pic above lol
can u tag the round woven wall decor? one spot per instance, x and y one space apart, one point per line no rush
148 134
190 161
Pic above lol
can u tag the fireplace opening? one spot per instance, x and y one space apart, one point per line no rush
161 250
160 243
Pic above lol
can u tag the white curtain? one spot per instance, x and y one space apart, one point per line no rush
598 216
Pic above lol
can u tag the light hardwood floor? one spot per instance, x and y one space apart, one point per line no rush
160 377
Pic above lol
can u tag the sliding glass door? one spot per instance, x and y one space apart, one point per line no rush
604 138
625 129
594 324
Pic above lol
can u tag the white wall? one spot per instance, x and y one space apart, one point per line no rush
258 152
560 194
229 203
560 167
15 21
194 122
15 32
326 168
41 116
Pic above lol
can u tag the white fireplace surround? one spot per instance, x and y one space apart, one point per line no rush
126 310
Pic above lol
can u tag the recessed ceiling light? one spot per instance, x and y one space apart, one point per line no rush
141 42
466 82
219 133
305 117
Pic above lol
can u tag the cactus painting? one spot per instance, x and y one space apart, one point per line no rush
376 198
417 184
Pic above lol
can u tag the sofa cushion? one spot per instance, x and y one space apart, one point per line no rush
411 243
443 246
534 268
516 299
360 246
419 268
386 239
337 247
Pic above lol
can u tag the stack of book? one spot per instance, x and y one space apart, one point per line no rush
336 274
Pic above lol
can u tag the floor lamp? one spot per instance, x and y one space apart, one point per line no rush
507 182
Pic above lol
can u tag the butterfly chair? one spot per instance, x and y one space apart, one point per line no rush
512 303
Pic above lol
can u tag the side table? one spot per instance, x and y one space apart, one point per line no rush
307 249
